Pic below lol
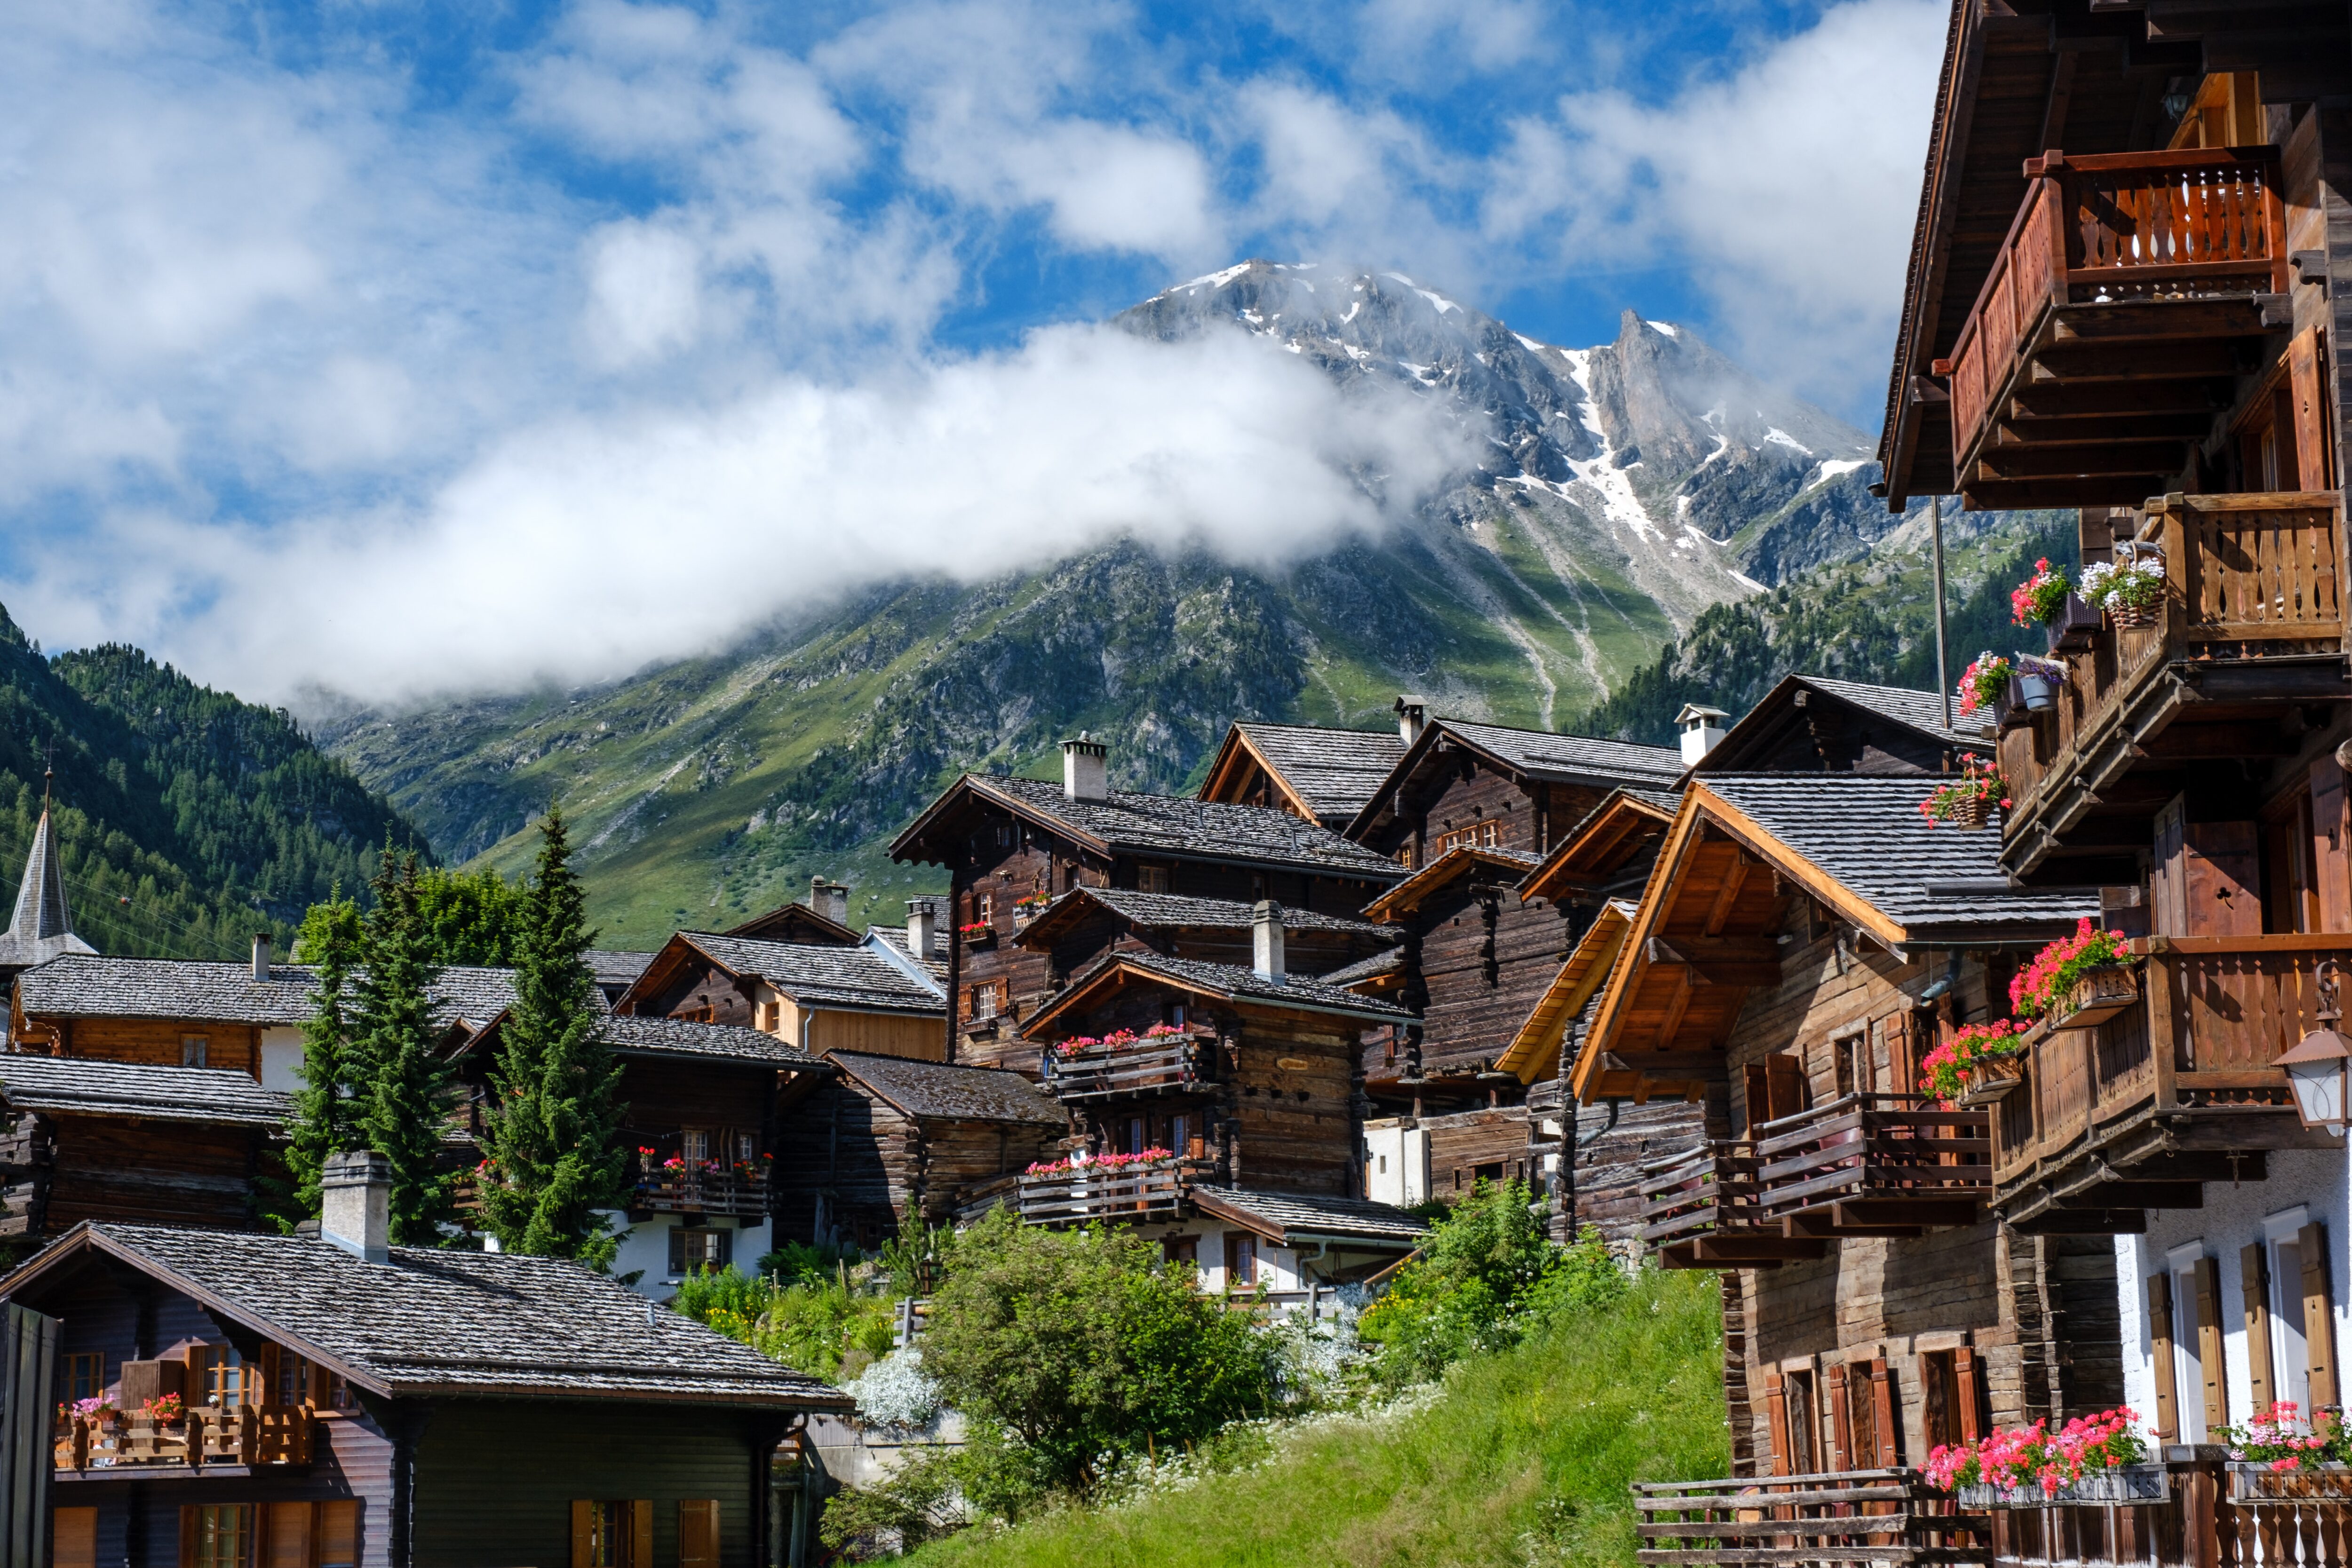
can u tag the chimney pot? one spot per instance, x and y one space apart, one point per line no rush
1085 769
1265 941
356 1213
261 957
1412 717
918 928
1702 727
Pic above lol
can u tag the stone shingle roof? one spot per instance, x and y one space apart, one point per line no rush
1545 755
1377 966
1337 771
682 1038
201 992
616 970
1243 984
1922 711
40 928
97 1088
1865 832
939 1091
1180 827
815 976
1298 1216
456 1323
1165 910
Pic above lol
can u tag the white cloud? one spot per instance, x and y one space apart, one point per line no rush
644 291
587 547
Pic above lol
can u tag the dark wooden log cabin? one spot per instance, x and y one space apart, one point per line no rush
816 997
403 1411
888 1139
820 921
1082 925
1814 723
126 1141
1245 1082
1012 845
1484 786
1323 776
1804 941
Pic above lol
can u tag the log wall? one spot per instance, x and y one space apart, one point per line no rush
235 1046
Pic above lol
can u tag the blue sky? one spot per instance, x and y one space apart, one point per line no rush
333 325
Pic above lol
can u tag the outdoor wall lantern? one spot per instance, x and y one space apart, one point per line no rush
2320 1067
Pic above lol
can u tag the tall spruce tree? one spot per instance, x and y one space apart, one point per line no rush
322 1120
405 1086
552 1132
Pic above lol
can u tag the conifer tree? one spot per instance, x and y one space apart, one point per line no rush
553 1138
322 1120
404 1086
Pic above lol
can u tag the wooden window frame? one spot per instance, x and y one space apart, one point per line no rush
193 1519
79 1371
1241 1245
680 1264
194 1049
610 1533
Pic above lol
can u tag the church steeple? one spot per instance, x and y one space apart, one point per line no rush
41 928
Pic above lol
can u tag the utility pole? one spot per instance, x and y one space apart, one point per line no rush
1943 654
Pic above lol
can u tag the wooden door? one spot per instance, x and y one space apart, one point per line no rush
2307 377
2224 865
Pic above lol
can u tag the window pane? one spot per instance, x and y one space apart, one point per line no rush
225 1536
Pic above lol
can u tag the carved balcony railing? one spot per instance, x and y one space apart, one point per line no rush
2135 267
1084 1194
2206 1520
2251 627
1873 1165
1853 1516
1168 1064
1699 1210
246 1436
711 1187
2136 1112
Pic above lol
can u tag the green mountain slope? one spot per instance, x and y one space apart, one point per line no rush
1522 1458
188 819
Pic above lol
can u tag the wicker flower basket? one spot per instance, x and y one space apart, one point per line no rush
2098 995
2258 1483
2123 615
1972 812
2124 1484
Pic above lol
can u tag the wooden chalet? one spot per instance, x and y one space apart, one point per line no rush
820 921
344 1404
1323 776
1080 925
1012 845
1814 723
818 998
40 927
882 1141
1222 1087
99 1140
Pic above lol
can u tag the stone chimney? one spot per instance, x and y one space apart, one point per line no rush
1412 717
829 899
918 928
261 957
357 1213
1085 768
1265 940
1702 727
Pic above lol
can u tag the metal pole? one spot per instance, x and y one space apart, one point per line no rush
1942 652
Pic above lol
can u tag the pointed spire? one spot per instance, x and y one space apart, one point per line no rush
41 896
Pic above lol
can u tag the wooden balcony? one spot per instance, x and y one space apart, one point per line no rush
240 1436
1855 1516
2139 1111
1171 1064
722 1190
1873 1165
1699 1210
1115 1194
2131 290
2199 1525
2252 632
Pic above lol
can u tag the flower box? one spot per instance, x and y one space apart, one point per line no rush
2098 995
978 935
1991 1078
2075 626
2124 1484
2250 1482
2008 709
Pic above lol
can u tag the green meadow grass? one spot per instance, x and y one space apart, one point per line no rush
1522 1457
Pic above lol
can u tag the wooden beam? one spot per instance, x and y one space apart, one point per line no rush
2151 461
2195 358
2150 322
1727 895
2098 400
2190 425
1680 1065
1719 961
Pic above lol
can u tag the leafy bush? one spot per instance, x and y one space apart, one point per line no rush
823 1328
920 1502
804 1262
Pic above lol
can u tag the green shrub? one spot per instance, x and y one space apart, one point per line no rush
804 1262
823 1328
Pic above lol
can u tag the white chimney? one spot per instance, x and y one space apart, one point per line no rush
1701 727
1412 717
1085 768
356 1215
829 899
1265 940
261 957
918 928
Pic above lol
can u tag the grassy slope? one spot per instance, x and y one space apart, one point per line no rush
1523 1458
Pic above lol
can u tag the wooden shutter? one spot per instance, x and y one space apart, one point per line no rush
1938 1423
1758 1097
2224 880
641 1535
1968 1389
1784 1084
2209 1365
1776 1407
583 1534
2331 867
2319 1314
73 1537
285 1529
2167 879
1841 1419
187 1536
698 1534
1882 1405
1903 1053
338 1533
2159 1339
2307 387
2254 1276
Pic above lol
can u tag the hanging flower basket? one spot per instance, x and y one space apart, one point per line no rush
979 933
2132 592
2075 626
1970 811
2124 1484
1969 800
2098 995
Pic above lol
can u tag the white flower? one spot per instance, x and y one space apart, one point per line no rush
895 1391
